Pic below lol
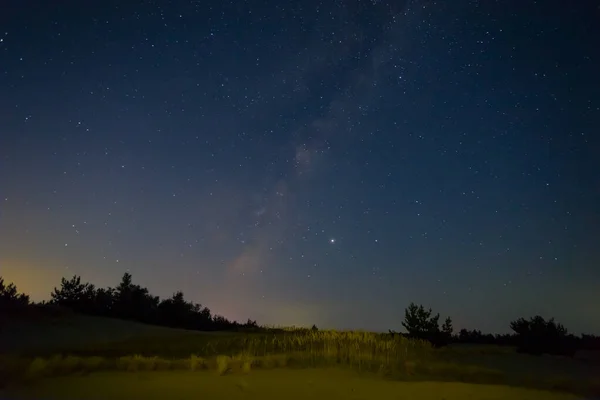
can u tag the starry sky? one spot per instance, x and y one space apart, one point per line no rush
306 162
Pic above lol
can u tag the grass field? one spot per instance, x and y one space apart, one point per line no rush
86 356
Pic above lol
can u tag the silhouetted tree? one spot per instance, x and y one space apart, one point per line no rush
219 321
134 302
130 301
419 322
463 335
447 328
103 302
476 337
74 295
538 336
203 318
10 298
590 342
504 339
251 324
176 312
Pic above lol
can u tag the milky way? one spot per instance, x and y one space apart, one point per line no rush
323 162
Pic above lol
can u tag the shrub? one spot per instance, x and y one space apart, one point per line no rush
197 363
135 363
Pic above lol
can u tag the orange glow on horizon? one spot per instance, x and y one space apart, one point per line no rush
37 282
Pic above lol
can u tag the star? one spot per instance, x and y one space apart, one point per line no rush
368 136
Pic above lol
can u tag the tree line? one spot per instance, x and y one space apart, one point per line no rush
535 335
133 302
127 301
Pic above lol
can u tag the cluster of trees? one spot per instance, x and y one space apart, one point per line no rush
533 336
133 302
127 301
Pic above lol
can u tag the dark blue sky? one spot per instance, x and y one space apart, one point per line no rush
308 162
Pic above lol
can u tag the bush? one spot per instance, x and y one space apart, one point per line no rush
197 363
223 364
537 336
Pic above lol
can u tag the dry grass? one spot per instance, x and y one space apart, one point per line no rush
394 358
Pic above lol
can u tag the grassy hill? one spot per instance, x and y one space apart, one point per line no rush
129 355
44 329
76 331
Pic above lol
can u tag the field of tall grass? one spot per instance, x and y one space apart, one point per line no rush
392 357
362 351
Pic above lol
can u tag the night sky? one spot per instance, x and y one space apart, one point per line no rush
305 162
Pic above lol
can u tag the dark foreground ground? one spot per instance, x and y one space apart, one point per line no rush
310 384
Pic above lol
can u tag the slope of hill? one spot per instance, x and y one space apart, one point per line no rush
50 329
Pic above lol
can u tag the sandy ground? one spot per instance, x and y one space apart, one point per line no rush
315 384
